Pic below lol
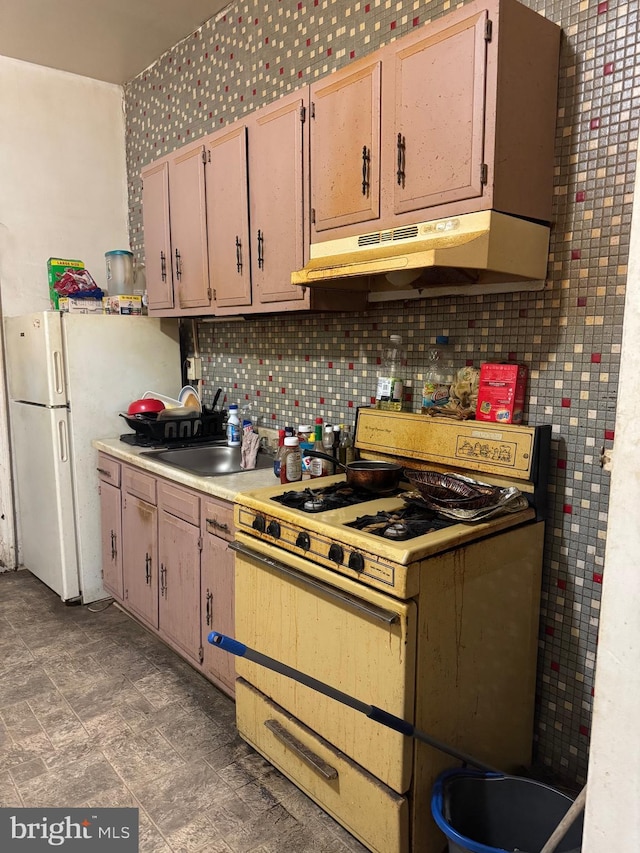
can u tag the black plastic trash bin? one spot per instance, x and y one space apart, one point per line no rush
491 813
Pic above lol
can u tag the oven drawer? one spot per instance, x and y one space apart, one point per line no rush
369 810
343 633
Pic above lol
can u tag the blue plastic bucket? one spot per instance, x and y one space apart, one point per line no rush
491 813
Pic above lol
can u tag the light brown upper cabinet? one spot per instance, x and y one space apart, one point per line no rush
175 236
228 218
345 146
467 115
279 200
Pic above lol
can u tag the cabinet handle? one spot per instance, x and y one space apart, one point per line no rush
260 250
401 148
163 580
209 607
104 472
163 266
366 164
238 254
147 568
314 761
114 550
218 525
178 265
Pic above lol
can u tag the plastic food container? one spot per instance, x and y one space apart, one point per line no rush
119 272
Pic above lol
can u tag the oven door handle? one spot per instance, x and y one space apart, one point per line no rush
386 616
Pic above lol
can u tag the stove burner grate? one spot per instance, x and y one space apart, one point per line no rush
320 500
399 525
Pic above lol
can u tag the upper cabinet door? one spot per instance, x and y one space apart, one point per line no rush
228 217
345 147
188 228
278 197
157 235
433 116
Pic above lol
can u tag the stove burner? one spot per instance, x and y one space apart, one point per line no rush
401 524
320 500
396 530
314 504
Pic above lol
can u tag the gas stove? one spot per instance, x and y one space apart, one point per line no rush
377 539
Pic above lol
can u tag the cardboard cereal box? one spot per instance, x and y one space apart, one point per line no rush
56 268
501 393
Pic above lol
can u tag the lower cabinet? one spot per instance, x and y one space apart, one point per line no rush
167 561
179 547
111 519
217 587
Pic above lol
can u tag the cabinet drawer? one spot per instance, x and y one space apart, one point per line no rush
109 469
217 518
179 502
141 485
368 809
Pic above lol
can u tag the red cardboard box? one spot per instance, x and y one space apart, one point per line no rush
501 393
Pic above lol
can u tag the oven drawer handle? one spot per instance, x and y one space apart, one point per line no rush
378 613
314 761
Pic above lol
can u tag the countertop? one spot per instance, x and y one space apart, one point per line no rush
224 486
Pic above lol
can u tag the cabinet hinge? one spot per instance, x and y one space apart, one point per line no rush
484 173
200 654
313 215
303 114
488 29
199 543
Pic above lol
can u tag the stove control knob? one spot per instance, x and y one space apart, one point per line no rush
273 529
356 561
259 523
336 553
303 541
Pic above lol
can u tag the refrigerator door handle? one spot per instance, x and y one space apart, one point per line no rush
63 441
58 373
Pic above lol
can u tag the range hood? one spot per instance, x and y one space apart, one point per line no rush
474 248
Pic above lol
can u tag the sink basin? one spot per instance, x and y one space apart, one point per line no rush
209 460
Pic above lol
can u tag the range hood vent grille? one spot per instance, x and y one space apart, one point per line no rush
377 238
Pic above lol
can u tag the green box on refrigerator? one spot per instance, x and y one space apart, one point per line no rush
56 268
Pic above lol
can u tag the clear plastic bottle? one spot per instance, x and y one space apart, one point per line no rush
346 450
439 375
233 427
327 447
391 376
279 451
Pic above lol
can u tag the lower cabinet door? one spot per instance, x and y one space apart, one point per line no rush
110 509
179 603
217 609
140 563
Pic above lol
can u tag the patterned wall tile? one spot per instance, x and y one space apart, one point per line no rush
292 368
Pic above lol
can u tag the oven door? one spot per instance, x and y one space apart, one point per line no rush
339 631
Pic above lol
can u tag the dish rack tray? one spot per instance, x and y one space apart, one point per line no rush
203 425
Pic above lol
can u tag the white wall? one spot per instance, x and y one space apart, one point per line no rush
63 192
612 817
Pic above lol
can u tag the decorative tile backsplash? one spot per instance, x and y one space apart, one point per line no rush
295 367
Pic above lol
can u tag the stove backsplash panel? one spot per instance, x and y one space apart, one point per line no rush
296 367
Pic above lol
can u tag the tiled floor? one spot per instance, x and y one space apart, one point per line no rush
95 711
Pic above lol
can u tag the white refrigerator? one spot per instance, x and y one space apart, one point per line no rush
69 376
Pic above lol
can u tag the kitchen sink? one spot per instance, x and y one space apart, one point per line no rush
210 460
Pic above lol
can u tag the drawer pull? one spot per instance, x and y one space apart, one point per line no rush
314 761
218 525
104 472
